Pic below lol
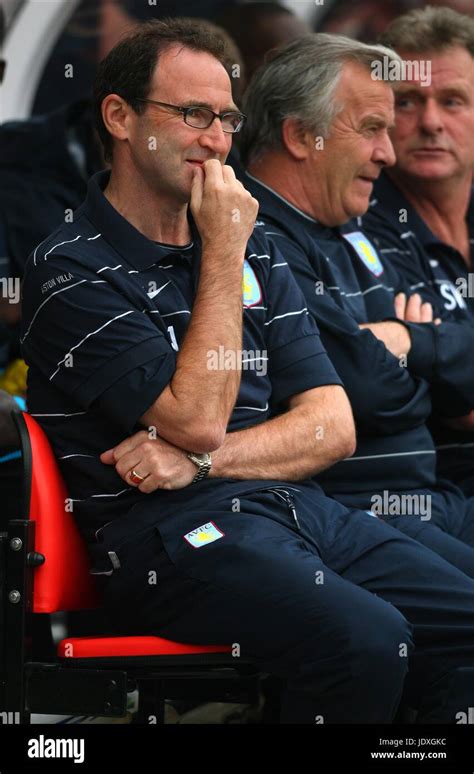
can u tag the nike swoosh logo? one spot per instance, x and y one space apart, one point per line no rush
154 293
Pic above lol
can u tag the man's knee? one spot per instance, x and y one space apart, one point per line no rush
352 672
366 641
379 646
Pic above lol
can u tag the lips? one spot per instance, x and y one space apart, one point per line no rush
371 176
430 150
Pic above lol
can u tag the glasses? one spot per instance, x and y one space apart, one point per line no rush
201 117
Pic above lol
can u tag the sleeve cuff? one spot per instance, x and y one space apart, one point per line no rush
125 387
421 357
422 354
128 399
306 374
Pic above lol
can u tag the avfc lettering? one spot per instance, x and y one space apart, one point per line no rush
203 535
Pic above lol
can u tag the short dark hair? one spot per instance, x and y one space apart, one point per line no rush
128 68
430 29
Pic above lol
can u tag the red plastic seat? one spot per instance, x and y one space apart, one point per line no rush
45 568
100 647
63 582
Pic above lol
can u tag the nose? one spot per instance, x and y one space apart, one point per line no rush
384 153
215 139
431 120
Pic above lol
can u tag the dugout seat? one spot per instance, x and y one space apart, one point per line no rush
44 568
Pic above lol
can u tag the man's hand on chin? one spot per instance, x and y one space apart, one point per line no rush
160 464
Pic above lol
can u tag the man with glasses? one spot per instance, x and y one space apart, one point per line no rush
201 117
162 332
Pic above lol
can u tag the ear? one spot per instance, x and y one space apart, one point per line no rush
115 115
295 138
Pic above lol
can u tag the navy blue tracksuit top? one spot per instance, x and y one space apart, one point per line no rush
345 284
439 273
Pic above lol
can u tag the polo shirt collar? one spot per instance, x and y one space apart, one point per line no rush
392 200
130 243
283 203
281 208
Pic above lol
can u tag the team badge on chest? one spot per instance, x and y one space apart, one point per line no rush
366 251
251 291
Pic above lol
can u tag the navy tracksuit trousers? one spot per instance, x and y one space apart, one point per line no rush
347 610
446 524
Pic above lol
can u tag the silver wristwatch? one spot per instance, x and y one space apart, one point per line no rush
203 463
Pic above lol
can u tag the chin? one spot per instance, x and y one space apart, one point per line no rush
429 170
358 208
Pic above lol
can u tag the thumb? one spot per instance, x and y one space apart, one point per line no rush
108 457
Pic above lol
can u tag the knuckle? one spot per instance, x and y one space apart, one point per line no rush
120 467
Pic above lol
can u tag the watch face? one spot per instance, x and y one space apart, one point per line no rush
204 457
200 459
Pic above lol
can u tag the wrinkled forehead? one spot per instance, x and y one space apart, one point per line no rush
359 91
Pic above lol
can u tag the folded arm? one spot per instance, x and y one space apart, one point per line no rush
316 431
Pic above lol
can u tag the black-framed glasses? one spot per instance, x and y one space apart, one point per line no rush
201 117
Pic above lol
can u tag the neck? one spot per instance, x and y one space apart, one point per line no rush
157 217
278 173
442 204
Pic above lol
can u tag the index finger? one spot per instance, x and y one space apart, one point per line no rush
213 171
129 444
400 303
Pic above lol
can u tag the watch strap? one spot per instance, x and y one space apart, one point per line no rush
203 463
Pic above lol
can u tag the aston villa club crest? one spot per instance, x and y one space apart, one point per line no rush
251 291
366 251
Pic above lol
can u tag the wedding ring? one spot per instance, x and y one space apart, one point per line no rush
135 477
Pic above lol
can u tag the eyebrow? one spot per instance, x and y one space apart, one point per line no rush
197 103
412 89
379 120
